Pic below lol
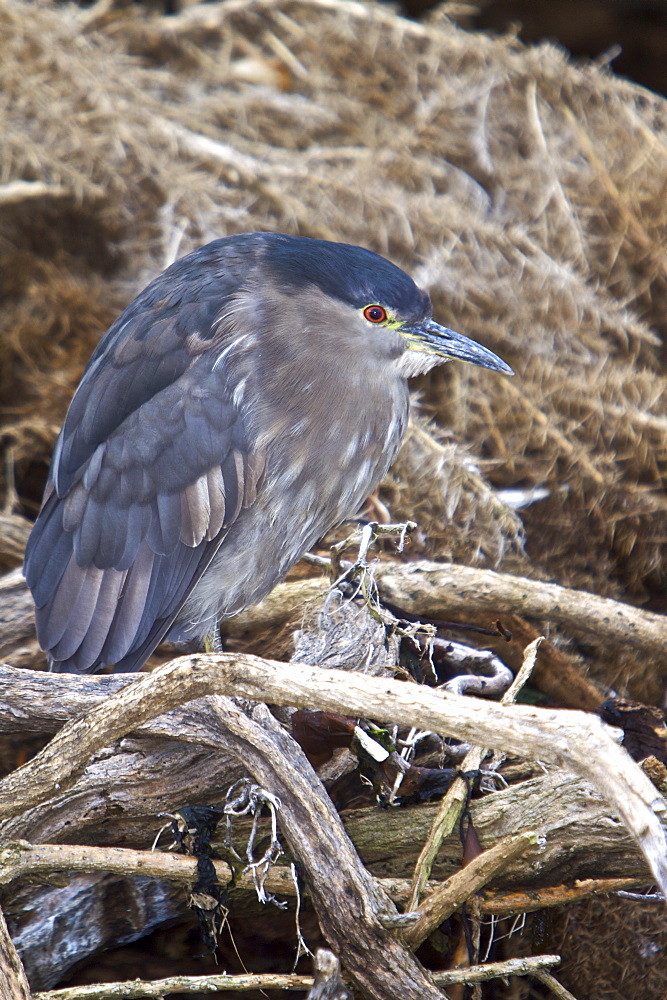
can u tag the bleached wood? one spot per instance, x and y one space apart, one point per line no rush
575 741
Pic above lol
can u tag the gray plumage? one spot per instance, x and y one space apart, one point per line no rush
242 405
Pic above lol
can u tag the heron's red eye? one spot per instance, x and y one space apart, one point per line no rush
375 314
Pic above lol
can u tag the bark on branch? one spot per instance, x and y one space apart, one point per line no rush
573 740
118 794
13 983
432 589
439 590
138 990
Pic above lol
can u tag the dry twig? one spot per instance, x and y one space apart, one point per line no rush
449 895
136 990
20 859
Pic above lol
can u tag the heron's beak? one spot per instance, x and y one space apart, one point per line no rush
432 338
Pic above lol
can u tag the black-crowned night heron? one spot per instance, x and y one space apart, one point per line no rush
247 401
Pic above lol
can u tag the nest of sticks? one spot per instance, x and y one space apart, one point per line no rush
526 193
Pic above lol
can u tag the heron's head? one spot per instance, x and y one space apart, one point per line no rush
355 287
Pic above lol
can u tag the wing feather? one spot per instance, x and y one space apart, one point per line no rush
165 527
66 636
159 617
73 508
216 499
47 553
136 527
88 533
127 619
96 634
78 589
195 512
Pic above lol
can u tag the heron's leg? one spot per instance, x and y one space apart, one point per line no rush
213 640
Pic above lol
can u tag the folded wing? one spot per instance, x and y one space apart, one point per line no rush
152 466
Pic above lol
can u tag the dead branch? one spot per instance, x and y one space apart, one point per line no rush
34 702
348 902
13 983
39 862
431 589
504 904
118 794
558 991
482 973
136 990
573 740
449 895
21 859
444 822
435 590
573 820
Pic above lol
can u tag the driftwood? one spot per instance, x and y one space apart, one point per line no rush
546 840
13 983
38 703
580 841
135 989
438 590
569 739
123 732
572 740
430 590
376 961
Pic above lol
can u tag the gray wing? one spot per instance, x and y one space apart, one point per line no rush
152 465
